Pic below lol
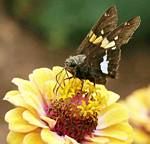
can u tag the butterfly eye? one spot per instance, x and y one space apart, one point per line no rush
70 63
73 64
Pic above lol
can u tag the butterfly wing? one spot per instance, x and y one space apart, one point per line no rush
106 55
104 25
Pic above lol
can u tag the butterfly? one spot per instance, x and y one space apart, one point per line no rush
98 55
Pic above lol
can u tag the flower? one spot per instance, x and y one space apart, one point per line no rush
139 104
53 108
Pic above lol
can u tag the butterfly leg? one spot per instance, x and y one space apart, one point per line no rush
82 84
58 84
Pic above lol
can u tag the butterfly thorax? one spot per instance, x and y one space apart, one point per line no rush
77 66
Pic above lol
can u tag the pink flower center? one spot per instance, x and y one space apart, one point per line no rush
70 122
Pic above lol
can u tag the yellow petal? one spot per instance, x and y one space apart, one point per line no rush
120 131
14 115
16 121
16 99
97 140
112 97
69 140
33 138
60 70
116 141
140 137
49 137
57 69
32 100
30 94
41 78
49 90
24 85
49 121
112 115
22 128
15 138
32 119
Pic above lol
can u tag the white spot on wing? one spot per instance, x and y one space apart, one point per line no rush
116 38
110 44
93 37
90 33
113 48
104 64
126 23
98 40
102 32
104 42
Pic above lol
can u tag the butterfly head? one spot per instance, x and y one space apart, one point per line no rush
73 61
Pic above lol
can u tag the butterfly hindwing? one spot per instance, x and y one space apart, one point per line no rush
114 57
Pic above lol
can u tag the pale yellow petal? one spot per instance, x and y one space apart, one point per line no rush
51 137
40 78
49 90
32 119
60 72
15 138
97 140
33 138
105 140
112 115
16 121
16 99
138 110
120 131
22 128
112 97
57 69
14 115
30 94
69 140
32 100
27 86
49 121
140 137
116 141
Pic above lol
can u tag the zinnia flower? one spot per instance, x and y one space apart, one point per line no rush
75 113
139 104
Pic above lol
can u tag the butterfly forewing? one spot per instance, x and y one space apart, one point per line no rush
123 33
104 25
107 22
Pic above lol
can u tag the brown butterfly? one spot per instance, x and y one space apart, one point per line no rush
99 54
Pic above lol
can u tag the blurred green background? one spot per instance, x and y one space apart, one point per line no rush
35 33
64 23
